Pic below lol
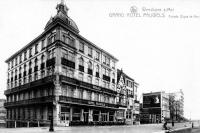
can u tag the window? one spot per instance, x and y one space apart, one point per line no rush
97 81
30 78
90 51
97 55
104 71
90 68
89 65
52 38
36 48
90 79
97 68
81 47
68 40
36 76
42 44
89 95
20 58
30 52
108 61
104 59
25 55
80 76
104 84
70 73
15 61
79 93
71 56
113 64
12 64
81 64
42 74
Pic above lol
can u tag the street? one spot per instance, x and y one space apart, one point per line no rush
146 128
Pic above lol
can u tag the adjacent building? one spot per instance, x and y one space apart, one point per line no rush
62 75
2 113
127 98
176 101
155 107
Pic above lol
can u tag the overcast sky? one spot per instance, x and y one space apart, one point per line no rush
160 53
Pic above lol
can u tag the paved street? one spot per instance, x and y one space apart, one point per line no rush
147 128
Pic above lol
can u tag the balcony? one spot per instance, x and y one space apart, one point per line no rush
86 102
107 78
39 100
81 68
119 104
85 85
50 62
67 62
43 81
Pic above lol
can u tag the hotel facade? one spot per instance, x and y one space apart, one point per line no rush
61 75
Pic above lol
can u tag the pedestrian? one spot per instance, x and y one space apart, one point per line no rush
165 125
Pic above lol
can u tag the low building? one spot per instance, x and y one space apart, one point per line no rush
127 98
155 107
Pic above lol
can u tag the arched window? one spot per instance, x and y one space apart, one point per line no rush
89 65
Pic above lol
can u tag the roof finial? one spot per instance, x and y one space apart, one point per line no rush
62 1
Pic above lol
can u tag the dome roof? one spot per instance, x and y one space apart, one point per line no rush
62 15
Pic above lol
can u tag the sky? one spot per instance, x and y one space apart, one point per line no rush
158 46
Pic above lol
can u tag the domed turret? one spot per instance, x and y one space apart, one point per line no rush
62 14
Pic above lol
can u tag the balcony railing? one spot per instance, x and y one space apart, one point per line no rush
39 100
107 78
32 84
85 84
87 102
67 62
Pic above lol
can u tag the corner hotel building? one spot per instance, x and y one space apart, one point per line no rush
61 74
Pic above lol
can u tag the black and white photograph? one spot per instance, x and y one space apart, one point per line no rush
99 66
